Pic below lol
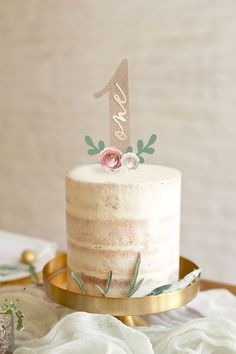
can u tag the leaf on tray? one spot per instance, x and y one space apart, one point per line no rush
78 281
137 286
159 290
133 286
108 283
181 284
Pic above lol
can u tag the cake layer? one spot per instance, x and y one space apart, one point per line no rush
114 217
121 232
116 201
99 260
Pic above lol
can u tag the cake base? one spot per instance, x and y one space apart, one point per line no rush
55 286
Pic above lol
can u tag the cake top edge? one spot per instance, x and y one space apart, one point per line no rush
146 173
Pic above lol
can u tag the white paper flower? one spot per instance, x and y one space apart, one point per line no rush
130 161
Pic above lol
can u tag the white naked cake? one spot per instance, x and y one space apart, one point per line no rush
115 218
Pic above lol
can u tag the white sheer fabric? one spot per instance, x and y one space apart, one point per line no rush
52 329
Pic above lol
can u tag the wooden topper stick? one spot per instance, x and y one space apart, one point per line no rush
118 89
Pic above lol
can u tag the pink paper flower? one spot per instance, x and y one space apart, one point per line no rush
110 158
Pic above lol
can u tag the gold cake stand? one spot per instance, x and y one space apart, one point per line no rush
125 309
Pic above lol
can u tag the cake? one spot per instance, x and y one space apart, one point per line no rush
113 219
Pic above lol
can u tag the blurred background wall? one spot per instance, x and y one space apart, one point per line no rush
182 69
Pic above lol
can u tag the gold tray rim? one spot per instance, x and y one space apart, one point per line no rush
116 306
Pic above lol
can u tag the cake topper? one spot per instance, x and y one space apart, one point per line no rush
118 89
120 154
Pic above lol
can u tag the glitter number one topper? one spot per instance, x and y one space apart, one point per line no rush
118 89
120 154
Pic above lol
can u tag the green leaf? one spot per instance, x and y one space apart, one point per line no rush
11 267
148 150
152 139
140 146
19 325
12 309
135 276
100 289
89 141
136 287
92 152
6 269
109 278
101 145
141 159
129 149
34 274
108 283
78 281
159 290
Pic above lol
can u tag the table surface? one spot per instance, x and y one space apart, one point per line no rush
207 285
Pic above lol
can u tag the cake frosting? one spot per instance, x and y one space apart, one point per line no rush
112 218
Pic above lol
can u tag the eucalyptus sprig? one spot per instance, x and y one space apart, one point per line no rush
181 284
134 285
107 286
78 281
94 149
159 290
34 276
12 309
6 269
9 307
